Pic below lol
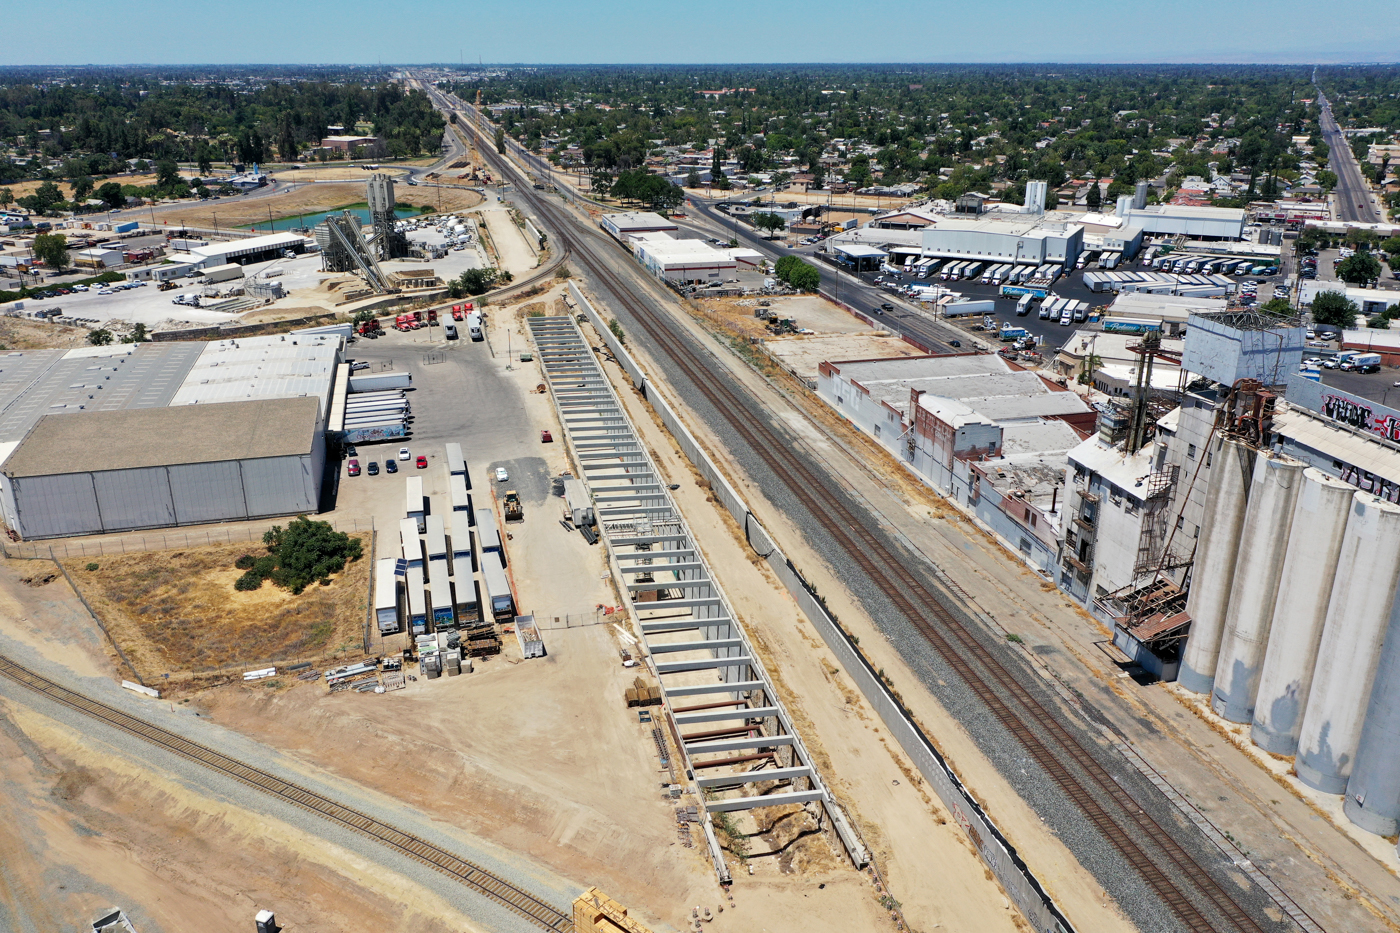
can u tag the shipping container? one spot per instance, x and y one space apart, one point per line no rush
417 602
413 506
460 543
440 593
488 534
495 588
409 541
461 499
436 538
387 607
126 227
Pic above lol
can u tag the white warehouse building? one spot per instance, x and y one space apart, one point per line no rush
1209 223
1031 239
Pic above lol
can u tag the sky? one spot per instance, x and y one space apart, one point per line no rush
718 31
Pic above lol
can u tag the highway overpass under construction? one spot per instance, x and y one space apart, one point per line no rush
726 718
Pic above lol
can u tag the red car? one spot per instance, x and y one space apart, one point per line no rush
422 462
354 468
546 437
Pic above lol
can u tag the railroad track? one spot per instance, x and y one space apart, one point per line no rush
473 876
1179 880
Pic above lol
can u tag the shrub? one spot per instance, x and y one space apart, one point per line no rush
249 581
91 567
245 562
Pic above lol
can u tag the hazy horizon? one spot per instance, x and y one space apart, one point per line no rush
629 32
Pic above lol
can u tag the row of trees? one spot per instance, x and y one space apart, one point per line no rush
477 282
641 186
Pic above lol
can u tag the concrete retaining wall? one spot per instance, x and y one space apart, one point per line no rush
1015 876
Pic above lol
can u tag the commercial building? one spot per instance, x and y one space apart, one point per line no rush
270 470
1368 300
1031 239
623 224
1169 313
94 472
984 432
252 249
348 144
1206 223
690 262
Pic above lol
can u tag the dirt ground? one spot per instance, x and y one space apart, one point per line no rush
803 355
23 334
177 611
310 199
315 171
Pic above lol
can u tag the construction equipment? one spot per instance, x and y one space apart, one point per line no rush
515 512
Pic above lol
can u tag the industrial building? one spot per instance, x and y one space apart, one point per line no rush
982 431
1270 587
1368 300
691 262
139 454
626 223
252 249
1205 223
94 472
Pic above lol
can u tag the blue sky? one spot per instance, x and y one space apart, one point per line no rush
71 32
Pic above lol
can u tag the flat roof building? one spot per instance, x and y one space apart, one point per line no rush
1031 239
624 223
1209 223
689 262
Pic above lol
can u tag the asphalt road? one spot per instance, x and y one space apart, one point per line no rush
1354 201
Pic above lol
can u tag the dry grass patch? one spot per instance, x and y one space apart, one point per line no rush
177 612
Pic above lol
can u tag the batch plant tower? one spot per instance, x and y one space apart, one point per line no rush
388 242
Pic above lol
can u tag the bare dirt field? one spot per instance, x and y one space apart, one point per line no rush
177 611
336 172
23 334
311 199
803 355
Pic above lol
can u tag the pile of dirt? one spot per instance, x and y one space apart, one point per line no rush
39 578
177 611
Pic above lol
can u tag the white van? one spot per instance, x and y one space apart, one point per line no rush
474 325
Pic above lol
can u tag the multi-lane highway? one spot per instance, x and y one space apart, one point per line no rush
1354 199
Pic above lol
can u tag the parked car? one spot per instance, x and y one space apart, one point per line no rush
351 451
391 466
501 475
356 367
373 468
422 462
404 454
353 469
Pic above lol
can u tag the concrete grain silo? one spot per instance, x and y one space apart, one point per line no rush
1373 792
1305 588
1214 569
1357 615
1263 545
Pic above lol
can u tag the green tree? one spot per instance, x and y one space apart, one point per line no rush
168 175
111 194
82 187
500 140
692 179
99 338
203 160
1327 179
768 222
52 248
303 553
45 199
1278 306
1359 268
7 197
1093 198
1335 309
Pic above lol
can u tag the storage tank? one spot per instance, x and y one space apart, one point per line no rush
1305 587
1351 642
1263 544
1214 572
1373 792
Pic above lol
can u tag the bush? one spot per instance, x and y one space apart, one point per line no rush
245 562
91 567
249 581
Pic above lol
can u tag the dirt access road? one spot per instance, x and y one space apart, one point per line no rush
234 212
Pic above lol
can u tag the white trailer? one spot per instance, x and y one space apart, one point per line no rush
456 463
461 499
496 587
488 534
388 605
417 603
436 535
440 594
580 504
460 544
413 507
369 382
410 542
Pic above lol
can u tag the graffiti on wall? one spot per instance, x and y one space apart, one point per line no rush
1350 411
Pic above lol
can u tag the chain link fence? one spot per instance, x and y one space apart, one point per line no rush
137 543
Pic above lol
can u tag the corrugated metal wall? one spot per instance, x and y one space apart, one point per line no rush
157 497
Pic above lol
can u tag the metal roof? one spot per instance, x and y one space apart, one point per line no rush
1339 443
97 441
